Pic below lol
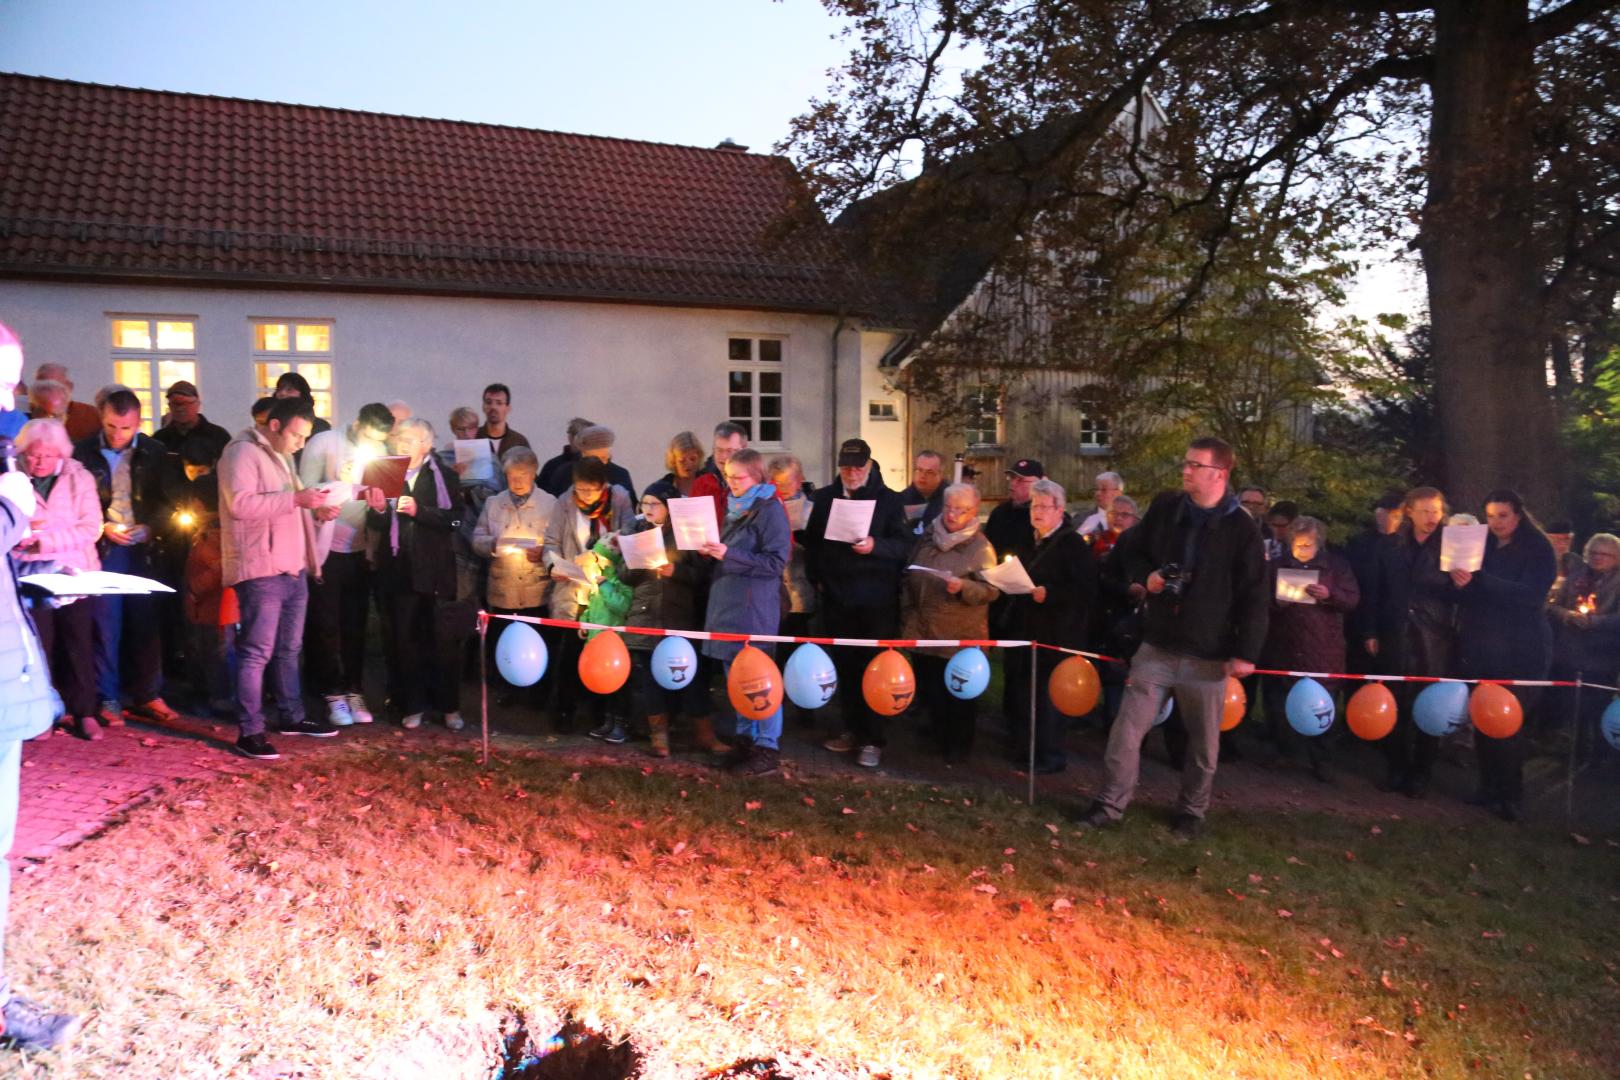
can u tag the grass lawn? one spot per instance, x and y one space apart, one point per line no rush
374 914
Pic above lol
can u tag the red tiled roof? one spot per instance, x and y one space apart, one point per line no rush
103 181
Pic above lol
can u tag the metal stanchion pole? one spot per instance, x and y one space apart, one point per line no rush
483 682
1034 711
1574 743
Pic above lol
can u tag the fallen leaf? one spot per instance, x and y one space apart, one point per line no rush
149 742
753 804
1492 934
986 888
1051 828
1376 831
1579 839
1292 861
1061 904
807 800
847 810
1284 913
357 811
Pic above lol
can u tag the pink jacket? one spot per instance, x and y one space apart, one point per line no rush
264 532
72 521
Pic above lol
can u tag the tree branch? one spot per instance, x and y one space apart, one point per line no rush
1561 20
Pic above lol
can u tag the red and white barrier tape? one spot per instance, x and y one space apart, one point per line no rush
964 643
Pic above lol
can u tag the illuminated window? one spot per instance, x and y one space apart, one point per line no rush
754 388
150 354
302 347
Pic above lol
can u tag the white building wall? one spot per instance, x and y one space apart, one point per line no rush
645 371
886 437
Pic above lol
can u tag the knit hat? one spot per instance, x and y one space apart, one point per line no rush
595 437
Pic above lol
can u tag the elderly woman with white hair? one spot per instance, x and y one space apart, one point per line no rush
416 579
948 601
511 533
63 536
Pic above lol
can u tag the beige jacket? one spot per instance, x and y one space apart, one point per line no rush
263 532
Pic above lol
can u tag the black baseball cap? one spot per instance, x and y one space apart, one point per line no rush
1027 467
854 454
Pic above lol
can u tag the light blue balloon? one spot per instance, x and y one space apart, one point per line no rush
967 674
810 678
520 655
1310 708
674 663
1441 708
1611 724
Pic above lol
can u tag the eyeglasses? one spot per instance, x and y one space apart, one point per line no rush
1252 504
1199 465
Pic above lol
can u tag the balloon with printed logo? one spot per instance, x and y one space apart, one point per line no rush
1441 708
604 663
520 654
754 684
1610 724
810 677
889 683
1371 712
1165 710
1495 711
1309 708
674 663
1236 705
1074 686
967 674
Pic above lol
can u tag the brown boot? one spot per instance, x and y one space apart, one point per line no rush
703 734
658 731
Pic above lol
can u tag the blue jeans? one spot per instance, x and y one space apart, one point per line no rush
765 733
271 635
10 766
144 666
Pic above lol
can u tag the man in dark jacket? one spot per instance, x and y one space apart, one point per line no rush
563 463
129 469
1410 625
1362 550
859 585
925 498
1200 558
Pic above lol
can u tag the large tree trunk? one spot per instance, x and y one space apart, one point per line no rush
1496 414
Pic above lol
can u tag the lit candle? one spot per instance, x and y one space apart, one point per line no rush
185 519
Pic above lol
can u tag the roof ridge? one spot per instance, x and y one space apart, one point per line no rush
729 153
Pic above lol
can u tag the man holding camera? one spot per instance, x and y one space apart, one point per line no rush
1200 560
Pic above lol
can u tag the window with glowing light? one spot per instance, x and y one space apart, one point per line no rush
304 347
150 353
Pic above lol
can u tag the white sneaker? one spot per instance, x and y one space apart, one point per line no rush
412 721
453 721
357 708
337 711
869 757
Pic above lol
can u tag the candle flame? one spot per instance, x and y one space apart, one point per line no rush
1588 604
185 519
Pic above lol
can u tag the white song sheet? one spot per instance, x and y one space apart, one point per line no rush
1291 585
693 522
1010 577
95 583
479 457
850 520
644 550
1462 547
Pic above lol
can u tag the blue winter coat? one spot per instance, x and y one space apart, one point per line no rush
28 703
745 594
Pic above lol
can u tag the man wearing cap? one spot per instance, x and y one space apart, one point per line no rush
860 588
596 442
83 419
1008 528
186 419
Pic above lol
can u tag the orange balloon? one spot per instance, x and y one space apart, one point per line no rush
1236 707
1371 712
1495 711
754 684
889 684
1074 686
604 663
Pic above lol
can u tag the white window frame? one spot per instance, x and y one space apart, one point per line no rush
1001 417
292 357
152 406
882 412
1092 416
756 367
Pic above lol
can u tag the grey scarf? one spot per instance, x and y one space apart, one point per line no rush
945 540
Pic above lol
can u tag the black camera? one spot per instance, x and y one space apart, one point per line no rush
1176 579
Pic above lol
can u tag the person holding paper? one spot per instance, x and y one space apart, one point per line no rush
667 598
1504 633
1411 630
859 586
340 599
925 498
268 556
1058 612
510 533
952 603
1199 558
480 478
786 472
729 438
416 579
62 536
745 594
586 513
129 469
1306 637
